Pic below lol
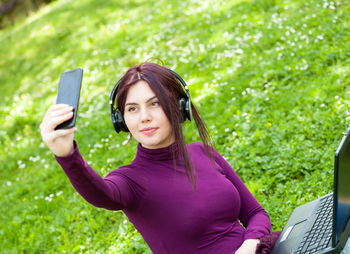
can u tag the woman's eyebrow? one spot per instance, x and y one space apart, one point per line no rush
151 98
134 103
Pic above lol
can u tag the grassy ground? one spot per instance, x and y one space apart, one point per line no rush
271 79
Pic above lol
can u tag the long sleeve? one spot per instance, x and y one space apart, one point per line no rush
252 215
113 192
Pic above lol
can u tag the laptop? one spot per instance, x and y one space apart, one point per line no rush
322 225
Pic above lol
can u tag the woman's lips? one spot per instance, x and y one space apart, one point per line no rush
149 131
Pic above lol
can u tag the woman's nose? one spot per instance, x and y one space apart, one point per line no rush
145 115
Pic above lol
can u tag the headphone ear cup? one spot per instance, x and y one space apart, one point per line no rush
185 108
114 122
188 109
182 107
118 122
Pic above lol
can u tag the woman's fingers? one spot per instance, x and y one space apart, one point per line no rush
53 111
58 109
59 141
50 123
63 132
57 106
52 136
55 116
56 120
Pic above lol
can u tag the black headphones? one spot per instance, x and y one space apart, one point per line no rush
118 119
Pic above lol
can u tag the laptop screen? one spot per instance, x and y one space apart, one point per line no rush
342 186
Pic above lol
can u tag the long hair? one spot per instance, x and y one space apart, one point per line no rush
168 90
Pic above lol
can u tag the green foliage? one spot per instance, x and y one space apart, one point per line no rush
270 78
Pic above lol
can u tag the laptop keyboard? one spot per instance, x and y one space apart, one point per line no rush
318 237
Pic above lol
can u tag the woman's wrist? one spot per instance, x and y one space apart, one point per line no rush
251 242
248 246
66 153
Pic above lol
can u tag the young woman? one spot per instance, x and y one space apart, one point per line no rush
181 198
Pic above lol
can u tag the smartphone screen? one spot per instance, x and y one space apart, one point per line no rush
69 93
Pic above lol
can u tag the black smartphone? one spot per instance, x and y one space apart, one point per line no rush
69 93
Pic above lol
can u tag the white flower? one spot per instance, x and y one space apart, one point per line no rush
48 199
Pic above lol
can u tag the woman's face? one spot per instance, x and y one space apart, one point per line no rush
145 118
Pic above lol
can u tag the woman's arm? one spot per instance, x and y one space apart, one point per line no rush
252 215
112 192
91 186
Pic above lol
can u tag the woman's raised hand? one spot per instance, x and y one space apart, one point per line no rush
59 141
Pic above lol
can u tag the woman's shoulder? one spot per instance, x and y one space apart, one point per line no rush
195 146
128 174
124 170
200 146
132 171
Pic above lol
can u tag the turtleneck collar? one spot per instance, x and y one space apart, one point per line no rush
159 154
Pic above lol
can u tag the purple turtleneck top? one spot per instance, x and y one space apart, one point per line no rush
172 216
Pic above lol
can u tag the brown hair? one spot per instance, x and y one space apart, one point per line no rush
168 90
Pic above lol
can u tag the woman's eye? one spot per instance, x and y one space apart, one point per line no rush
131 109
155 103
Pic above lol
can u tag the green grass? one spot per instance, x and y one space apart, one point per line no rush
270 78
